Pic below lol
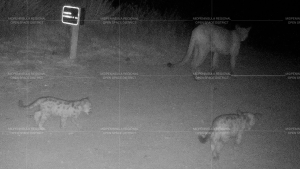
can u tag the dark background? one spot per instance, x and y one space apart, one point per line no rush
270 29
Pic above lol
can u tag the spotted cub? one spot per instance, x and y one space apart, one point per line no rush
226 126
47 106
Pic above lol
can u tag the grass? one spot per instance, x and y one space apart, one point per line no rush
119 29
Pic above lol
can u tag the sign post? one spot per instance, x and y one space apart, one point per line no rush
71 16
74 42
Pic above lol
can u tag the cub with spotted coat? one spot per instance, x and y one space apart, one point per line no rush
47 106
226 126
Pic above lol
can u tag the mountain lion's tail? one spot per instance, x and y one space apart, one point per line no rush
188 56
203 139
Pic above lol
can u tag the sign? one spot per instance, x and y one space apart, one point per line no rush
70 15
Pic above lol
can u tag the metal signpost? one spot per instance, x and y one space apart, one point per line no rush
71 16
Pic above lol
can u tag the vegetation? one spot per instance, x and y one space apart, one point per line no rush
37 23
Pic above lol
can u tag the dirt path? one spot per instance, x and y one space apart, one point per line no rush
147 120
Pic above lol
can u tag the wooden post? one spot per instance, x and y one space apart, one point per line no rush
74 41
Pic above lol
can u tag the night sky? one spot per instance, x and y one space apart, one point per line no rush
272 22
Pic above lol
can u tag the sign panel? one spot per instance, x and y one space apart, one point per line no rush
70 15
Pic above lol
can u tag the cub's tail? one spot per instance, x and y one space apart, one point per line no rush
30 106
21 104
203 139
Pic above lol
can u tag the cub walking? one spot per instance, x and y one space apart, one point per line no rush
226 126
47 106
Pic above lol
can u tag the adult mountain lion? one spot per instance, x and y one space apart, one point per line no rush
211 38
